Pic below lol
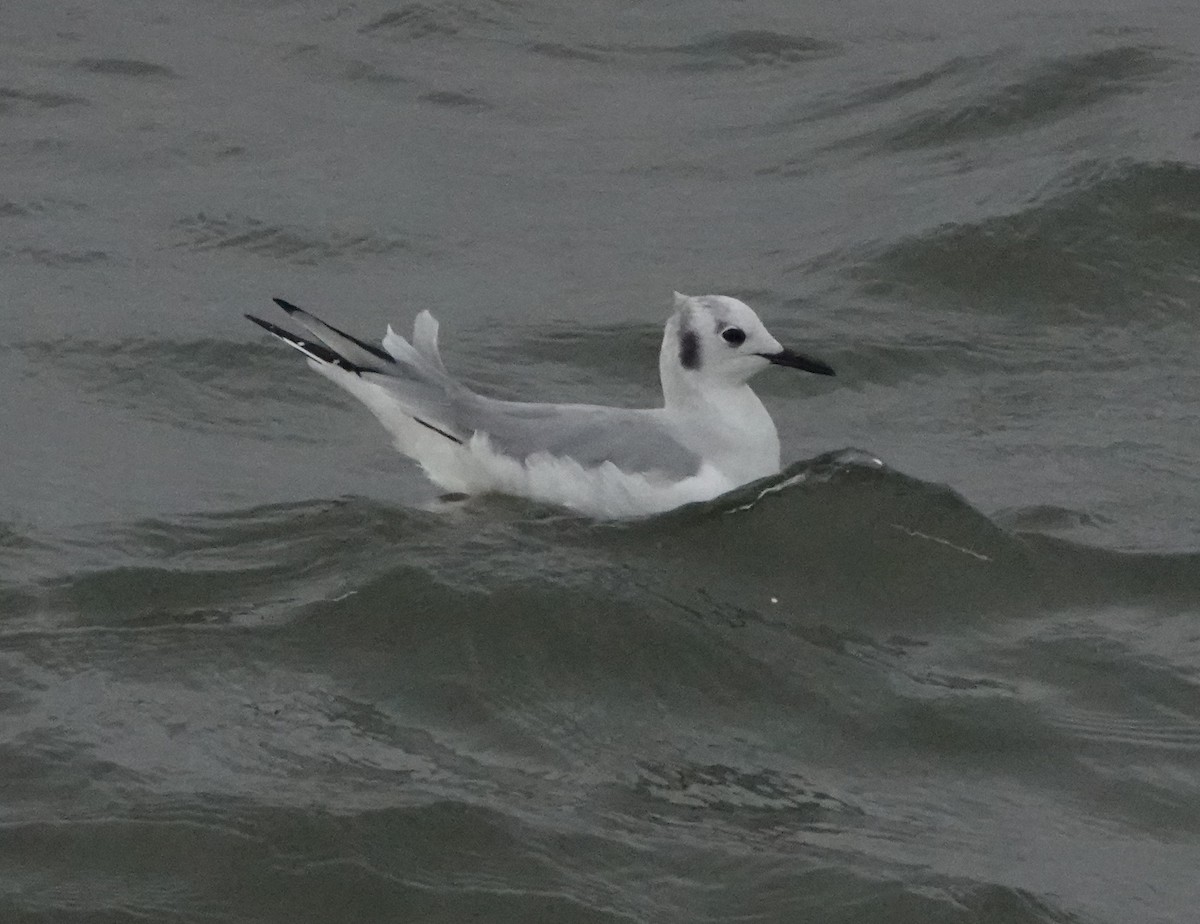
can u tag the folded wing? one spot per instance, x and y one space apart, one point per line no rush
405 383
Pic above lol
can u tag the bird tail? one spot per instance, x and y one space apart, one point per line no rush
402 384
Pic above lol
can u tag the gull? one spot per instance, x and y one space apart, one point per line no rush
711 435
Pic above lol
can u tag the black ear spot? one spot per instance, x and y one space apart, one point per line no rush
689 349
734 336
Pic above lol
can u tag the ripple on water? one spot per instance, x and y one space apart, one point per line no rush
14 101
1051 91
126 67
748 48
418 21
203 232
1115 240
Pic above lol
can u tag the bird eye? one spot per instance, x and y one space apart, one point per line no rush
734 336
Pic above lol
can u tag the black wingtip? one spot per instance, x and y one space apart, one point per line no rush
266 325
315 325
310 348
273 329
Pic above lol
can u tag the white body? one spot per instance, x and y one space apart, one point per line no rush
711 435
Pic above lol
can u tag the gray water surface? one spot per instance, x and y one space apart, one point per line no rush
251 669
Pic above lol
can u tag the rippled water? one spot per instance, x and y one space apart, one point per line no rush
253 669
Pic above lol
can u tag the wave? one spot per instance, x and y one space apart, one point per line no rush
59 259
126 67
1052 91
838 584
889 91
202 232
1114 240
201 384
840 539
719 51
491 679
518 26
454 99
453 861
738 49
14 101
417 21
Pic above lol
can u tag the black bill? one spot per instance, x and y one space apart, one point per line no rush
796 361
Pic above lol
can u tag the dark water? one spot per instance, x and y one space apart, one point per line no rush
252 670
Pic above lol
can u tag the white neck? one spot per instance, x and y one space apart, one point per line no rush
725 423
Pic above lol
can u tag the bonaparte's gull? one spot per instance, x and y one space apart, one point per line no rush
711 435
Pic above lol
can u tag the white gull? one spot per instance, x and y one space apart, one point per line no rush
711 435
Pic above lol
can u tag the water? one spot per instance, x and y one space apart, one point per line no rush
253 669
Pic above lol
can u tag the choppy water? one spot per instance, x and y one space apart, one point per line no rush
252 670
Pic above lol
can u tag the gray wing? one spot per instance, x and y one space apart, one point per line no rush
632 440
